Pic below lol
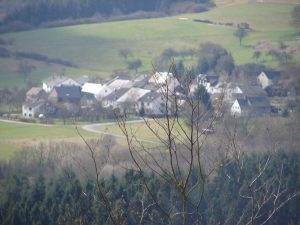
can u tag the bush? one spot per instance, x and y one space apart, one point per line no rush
44 58
27 120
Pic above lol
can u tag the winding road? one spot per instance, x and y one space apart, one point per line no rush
92 128
95 129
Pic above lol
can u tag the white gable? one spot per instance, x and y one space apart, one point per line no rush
263 80
237 90
160 77
105 90
236 109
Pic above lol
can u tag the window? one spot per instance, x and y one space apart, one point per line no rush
30 108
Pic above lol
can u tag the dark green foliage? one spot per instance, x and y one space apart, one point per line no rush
178 70
134 65
285 113
240 33
213 57
65 199
204 97
210 58
270 91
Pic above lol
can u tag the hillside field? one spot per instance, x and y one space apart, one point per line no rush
14 136
94 48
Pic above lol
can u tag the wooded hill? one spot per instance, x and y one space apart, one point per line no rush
35 12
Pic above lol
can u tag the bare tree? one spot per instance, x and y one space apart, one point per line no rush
240 33
134 65
256 55
181 157
184 160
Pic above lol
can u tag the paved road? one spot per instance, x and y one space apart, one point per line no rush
95 129
92 128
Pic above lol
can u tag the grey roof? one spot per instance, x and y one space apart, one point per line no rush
242 102
253 90
258 101
116 94
35 94
271 74
68 92
34 91
150 96
34 103
141 83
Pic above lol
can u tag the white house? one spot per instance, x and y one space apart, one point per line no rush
55 81
132 95
111 99
154 104
239 108
164 81
263 80
69 82
112 86
119 83
128 101
92 88
250 106
209 82
231 91
33 109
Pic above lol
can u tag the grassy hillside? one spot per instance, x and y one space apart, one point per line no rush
94 47
14 136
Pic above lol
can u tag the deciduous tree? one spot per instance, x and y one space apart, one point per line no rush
240 33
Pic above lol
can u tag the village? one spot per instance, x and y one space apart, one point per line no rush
144 95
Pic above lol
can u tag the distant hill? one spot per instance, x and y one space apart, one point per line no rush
33 12
94 48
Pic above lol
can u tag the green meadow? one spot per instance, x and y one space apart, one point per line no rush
94 48
13 136
152 131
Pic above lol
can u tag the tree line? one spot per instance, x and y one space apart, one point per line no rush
37 12
67 198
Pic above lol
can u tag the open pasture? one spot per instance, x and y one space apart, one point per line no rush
94 48
13 136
